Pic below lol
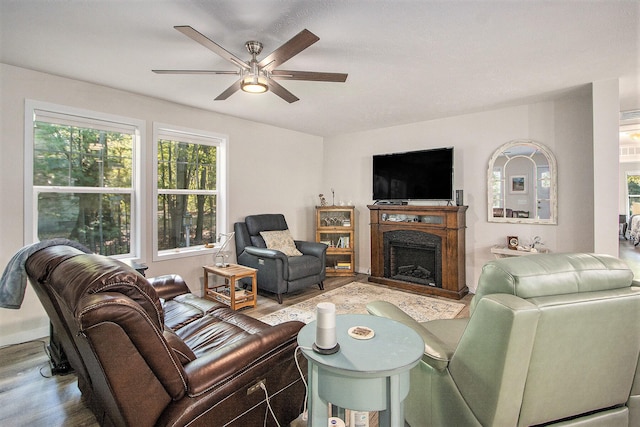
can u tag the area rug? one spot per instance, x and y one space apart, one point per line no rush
353 298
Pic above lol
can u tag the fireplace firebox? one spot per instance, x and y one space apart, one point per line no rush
419 248
413 256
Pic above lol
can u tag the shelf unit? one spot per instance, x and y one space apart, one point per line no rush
335 226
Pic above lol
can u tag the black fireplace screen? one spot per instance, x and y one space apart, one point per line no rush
413 256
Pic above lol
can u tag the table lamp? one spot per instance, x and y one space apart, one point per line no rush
219 257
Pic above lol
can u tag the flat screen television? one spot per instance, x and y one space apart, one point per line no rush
414 175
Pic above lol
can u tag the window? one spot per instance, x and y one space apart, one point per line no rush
633 190
81 178
190 183
497 185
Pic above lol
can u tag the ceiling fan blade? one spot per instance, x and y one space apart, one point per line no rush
276 88
297 44
309 75
194 72
229 91
211 45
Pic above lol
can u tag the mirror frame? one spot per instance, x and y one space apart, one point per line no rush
553 190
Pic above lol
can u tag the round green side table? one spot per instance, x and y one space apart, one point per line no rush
364 375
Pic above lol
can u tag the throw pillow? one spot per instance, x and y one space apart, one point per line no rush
282 241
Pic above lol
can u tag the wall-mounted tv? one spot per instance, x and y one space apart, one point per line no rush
414 175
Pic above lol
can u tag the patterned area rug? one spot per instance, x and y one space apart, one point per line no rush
353 298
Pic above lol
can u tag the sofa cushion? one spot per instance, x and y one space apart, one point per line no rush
552 274
185 308
43 262
265 222
177 315
90 274
218 329
282 241
184 353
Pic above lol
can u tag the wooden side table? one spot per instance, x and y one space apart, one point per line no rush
227 293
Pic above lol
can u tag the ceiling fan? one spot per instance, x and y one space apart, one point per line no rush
260 76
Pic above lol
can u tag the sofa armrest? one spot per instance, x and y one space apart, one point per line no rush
311 248
221 365
436 353
169 286
265 253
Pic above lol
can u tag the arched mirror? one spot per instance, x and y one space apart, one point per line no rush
522 184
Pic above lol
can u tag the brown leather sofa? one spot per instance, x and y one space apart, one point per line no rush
148 352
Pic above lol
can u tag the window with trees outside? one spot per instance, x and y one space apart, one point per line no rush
81 178
190 183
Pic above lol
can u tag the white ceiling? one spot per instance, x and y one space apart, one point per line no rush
407 60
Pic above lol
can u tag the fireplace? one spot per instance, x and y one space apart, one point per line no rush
413 256
419 248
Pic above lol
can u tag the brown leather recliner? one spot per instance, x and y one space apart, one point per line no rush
148 352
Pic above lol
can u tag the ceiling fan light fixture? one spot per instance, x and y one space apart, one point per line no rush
259 76
254 84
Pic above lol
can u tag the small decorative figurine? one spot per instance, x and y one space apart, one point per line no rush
323 201
536 241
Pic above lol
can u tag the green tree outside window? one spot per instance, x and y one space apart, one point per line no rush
83 180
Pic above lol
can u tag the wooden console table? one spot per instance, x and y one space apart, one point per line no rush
446 223
227 293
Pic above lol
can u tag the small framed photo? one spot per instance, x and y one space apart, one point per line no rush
518 184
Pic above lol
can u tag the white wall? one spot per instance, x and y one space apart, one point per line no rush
606 128
564 126
573 129
270 170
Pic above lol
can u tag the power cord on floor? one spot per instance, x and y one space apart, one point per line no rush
48 364
269 409
304 416
46 352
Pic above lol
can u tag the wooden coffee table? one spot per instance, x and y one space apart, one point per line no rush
227 293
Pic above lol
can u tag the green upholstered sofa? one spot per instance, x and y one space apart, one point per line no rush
552 339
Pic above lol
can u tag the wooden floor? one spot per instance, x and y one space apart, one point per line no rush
31 396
